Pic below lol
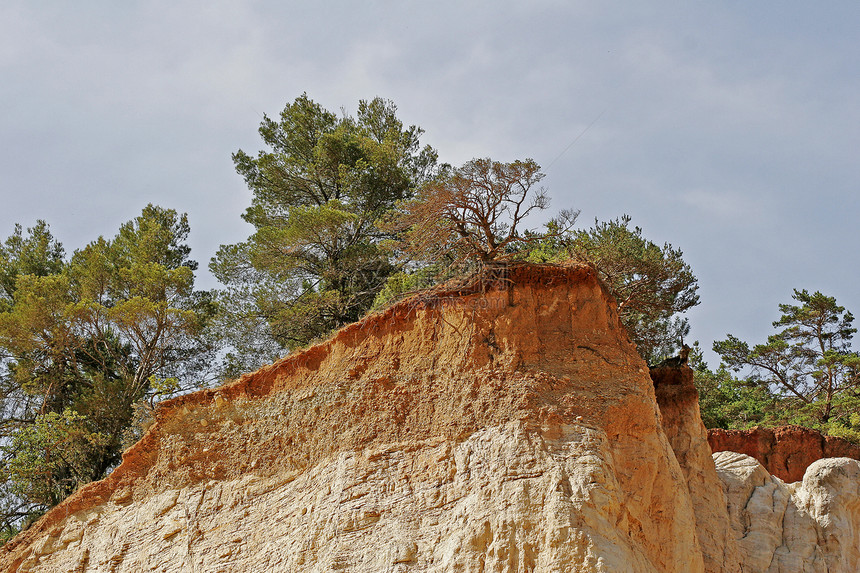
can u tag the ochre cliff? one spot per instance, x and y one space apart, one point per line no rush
785 452
508 427
678 402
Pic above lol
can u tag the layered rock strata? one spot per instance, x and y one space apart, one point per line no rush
678 401
785 452
514 429
504 427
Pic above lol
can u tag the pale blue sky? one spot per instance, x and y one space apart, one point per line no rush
729 129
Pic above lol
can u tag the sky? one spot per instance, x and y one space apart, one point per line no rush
729 129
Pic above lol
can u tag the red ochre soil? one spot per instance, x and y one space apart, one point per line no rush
786 451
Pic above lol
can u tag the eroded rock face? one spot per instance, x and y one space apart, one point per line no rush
802 527
678 400
509 430
501 500
504 430
785 452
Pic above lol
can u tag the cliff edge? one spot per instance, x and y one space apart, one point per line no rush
508 426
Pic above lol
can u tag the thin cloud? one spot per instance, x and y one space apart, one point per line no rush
726 207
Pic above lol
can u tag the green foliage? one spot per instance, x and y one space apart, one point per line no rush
847 427
651 284
37 254
403 283
50 458
314 262
807 368
84 341
727 402
244 304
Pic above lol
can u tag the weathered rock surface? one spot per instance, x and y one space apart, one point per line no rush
802 527
785 452
679 408
511 430
489 429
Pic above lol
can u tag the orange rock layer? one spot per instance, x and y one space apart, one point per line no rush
537 353
508 425
785 452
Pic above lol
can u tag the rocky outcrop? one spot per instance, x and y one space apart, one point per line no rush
509 430
506 427
678 400
786 451
803 527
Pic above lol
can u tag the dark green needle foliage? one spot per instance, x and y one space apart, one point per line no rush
808 368
314 262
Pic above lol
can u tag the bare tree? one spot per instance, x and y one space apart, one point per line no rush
473 212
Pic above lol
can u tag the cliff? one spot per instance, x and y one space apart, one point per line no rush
678 402
754 518
785 452
801 527
500 427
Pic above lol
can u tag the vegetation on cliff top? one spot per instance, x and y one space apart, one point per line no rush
314 262
349 213
87 342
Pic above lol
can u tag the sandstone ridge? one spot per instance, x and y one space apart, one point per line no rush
504 426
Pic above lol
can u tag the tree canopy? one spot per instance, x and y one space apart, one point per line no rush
314 262
808 369
472 213
350 211
86 341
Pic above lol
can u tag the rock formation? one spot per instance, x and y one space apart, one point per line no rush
504 427
785 452
678 401
802 527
